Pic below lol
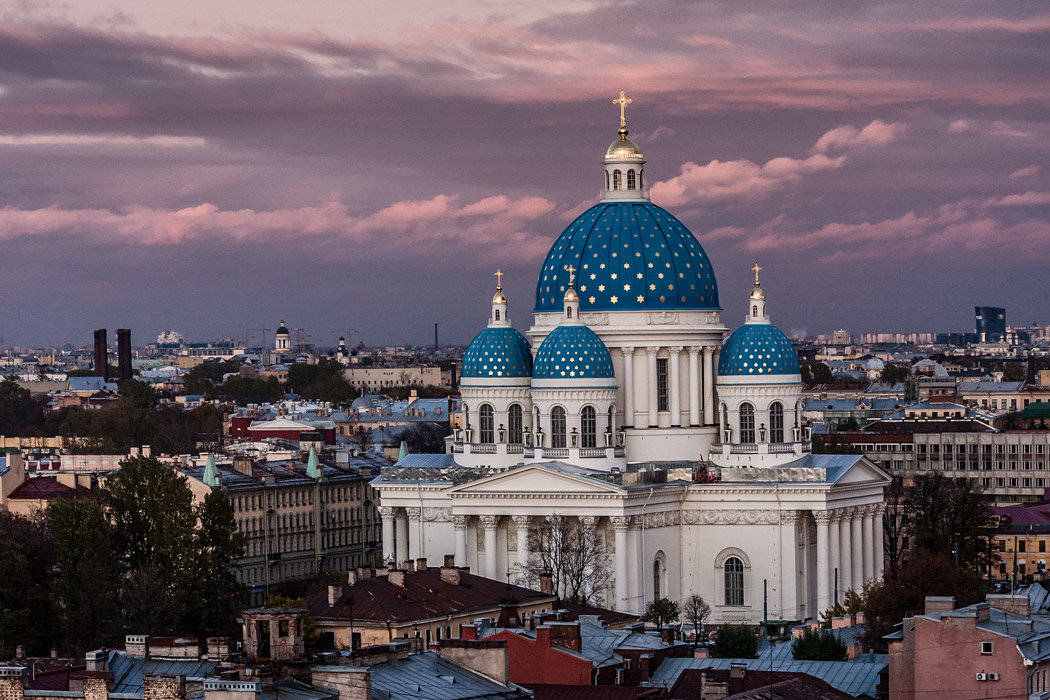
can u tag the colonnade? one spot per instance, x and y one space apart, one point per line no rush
700 393
849 544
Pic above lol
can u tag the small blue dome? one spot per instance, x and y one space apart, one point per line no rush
628 255
757 349
573 352
499 351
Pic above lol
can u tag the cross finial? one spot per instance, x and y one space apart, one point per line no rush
572 271
757 269
623 100
499 279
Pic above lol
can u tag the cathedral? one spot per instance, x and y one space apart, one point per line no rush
627 408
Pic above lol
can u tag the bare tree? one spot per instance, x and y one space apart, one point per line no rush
573 556
695 610
894 525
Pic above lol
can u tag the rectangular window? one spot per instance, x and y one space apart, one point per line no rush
661 384
987 647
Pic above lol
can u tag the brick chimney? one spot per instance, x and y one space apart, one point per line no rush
449 574
335 592
468 632
1016 604
421 564
939 603
409 566
396 577
450 561
566 634
547 583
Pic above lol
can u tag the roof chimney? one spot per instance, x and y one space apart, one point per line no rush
547 583
335 592
396 577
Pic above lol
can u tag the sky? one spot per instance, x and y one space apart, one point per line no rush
364 168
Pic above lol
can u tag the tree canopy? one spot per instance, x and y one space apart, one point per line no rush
819 645
662 611
736 642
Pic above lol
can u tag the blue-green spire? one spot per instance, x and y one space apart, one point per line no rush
211 474
403 452
311 465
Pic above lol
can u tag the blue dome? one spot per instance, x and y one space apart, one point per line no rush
573 352
757 349
499 351
628 255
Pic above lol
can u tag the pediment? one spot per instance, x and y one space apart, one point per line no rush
863 471
537 479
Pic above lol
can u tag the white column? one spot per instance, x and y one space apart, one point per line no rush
857 554
654 419
845 556
823 518
415 533
789 597
387 515
489 523
709 386
834 560
521 524
880 542
620 524
401 525
694 385
460 523
676 389
869 543
634 548
628 387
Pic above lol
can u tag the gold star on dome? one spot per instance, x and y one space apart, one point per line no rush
627 288
641 299
601 287
613 299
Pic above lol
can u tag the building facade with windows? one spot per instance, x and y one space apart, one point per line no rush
623 407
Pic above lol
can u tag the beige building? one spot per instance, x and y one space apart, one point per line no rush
375 379
296 525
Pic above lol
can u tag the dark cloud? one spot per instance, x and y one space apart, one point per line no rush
212 182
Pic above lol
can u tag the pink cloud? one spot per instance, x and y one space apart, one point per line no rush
401 230
1029 171
877 133
1025 199
959 126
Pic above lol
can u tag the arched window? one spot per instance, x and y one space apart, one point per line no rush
725 417
656 580
754 310
734 581
617 180
776 422
641 184
514 422
606 179
630 179
485 432
747 423
466 417
568 312
557 427
588 427
497 315
659 577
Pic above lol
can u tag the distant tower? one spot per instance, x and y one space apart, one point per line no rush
342 353
282 339
101 354
990 323
123 354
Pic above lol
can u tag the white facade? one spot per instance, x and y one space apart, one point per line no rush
612 412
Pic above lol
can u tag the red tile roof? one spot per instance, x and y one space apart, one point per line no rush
45 488
424 596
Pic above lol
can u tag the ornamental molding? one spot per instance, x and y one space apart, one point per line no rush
413 513
662 318
489 522
459 522
713 317
728 552
595 318
386 512
667 518
620 522
437 515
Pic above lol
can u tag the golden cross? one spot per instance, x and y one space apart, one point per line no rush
499 279
623 100
571 270
757 269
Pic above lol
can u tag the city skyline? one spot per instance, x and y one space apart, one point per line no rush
218 170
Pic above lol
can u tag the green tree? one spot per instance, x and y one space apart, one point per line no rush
852 603
891 374
819 645
27 612
696 611
662 611
83 552
320 382
736 642
203 378
949 516
820 373
154 528
425 438
139 394
246 390
218 546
